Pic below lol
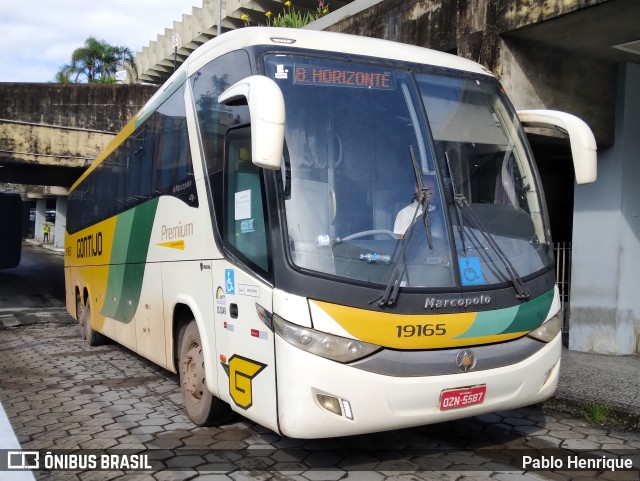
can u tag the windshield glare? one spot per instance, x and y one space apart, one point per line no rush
357 147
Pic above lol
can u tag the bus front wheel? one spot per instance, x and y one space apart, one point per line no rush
203 408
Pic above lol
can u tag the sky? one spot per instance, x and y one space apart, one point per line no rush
37 37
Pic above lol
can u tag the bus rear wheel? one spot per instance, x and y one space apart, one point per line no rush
203 408
80 315
92 337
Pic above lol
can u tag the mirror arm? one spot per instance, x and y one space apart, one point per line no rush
581 138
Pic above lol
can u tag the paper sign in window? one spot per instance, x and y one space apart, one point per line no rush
243 205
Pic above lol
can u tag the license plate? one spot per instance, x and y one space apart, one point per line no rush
462 397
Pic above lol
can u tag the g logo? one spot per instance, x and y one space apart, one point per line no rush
241 374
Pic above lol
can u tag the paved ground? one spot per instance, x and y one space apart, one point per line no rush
60 394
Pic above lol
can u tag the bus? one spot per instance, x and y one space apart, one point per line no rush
242 231
10 229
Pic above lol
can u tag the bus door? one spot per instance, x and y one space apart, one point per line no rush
243 336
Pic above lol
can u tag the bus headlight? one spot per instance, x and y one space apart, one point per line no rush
549 329
322 344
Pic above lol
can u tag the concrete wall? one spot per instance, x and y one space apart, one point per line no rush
605 307
87 106
49 133
539 77
50 145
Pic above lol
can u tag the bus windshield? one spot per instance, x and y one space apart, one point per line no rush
371 184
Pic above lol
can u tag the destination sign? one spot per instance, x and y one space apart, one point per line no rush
344 77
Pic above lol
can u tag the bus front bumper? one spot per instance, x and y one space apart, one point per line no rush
372 402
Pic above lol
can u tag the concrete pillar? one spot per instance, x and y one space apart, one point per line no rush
41 213
61 222
605 305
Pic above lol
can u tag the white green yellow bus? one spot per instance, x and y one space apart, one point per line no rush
242 231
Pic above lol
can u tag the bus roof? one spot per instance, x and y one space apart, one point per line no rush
310 40
330 42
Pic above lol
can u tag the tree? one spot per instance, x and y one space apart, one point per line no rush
96 61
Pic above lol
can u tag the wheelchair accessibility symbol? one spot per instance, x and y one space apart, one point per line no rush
229 281
470 271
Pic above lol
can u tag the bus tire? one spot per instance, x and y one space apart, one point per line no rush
92 337
80 314
203 408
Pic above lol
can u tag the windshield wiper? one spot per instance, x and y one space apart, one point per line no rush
390 294
454 188
388 298
422 200
462 204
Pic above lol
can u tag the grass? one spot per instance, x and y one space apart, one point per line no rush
597 413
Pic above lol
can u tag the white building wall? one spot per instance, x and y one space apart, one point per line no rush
41 212
605 300
61 222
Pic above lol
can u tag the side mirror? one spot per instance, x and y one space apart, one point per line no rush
266 109
583 143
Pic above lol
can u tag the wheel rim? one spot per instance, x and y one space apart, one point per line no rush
193 372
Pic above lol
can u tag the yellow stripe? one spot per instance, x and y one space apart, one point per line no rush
87 269
403 331
173 244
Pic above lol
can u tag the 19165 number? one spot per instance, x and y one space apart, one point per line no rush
418 330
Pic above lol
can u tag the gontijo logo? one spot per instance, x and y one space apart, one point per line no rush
89 246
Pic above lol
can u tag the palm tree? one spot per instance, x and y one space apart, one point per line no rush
70 73
114 57
88 57
97 61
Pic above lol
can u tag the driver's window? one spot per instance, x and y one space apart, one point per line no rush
244 209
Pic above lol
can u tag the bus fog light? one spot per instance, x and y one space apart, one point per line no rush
330 403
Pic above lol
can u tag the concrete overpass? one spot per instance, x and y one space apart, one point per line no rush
50 133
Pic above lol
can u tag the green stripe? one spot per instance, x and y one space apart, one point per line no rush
489 323
523 318
531 314
128 261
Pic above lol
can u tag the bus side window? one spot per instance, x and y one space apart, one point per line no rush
172 165
215 119
140 167
244 210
